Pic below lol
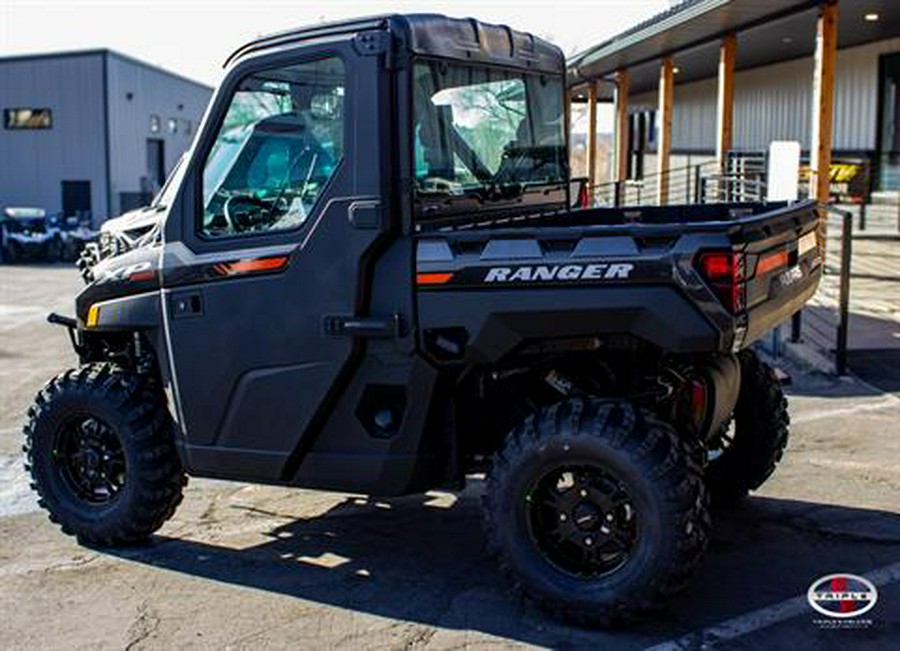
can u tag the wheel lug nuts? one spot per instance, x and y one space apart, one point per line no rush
609 517
583 493
562 517
589 541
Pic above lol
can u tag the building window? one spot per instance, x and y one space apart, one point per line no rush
154 124
172 124
186 127
27 118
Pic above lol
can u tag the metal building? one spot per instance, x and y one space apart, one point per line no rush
759 58
91 132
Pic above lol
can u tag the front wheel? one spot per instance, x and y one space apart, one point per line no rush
596 511
99 448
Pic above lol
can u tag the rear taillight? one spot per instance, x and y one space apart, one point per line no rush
725 273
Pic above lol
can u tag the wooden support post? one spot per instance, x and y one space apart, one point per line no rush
592 141
621 134
725 104
664 139
823 110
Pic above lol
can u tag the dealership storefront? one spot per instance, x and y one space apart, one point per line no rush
744 74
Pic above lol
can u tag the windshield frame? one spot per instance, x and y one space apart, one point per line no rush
486 196
170 188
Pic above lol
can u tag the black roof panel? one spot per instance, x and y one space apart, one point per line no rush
432 35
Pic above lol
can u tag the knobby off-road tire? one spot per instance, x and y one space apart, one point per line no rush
100 452
622 451
759 434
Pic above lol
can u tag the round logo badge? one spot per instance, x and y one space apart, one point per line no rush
842 595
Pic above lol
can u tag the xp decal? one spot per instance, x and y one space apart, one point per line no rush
132 272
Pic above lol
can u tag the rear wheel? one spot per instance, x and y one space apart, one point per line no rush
99 448
596 511
754 442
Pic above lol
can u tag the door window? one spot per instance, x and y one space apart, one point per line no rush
278 146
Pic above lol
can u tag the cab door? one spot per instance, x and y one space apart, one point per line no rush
263 273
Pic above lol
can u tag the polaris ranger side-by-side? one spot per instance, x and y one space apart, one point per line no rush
366 277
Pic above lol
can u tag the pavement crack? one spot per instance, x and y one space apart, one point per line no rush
145 625
420 638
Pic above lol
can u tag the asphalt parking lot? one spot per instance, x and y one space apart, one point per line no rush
244 566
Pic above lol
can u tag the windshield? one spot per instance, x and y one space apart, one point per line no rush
486 132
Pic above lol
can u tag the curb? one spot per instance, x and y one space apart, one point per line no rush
807 358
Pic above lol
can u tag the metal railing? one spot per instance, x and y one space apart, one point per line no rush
821 325
741 180
685 185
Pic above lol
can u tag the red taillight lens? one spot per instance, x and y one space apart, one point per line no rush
717 267
724 272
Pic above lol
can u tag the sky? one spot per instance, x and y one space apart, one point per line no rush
193 37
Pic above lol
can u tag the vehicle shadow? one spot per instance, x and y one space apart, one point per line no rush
421 560
873 353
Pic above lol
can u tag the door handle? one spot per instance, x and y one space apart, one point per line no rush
351 326
365 215
186 305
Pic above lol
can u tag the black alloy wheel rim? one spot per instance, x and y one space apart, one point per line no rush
90 459
583 520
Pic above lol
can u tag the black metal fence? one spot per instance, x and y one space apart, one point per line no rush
685 185
824 325
742 178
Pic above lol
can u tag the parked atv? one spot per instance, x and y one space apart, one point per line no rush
76 233
368 278
29 234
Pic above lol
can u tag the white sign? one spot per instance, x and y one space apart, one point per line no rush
783 175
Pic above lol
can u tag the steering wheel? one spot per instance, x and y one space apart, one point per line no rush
230 221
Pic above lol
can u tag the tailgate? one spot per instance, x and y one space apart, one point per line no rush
782 271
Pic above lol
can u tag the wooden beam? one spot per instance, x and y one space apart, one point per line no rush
823 109
621 127
823 100
592 140
664 138
725 103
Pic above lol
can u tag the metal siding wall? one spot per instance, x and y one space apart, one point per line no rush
154 93
694 125
33 163
774 103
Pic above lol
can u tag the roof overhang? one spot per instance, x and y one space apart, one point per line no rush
768 31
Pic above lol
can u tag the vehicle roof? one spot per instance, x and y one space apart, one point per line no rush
430 35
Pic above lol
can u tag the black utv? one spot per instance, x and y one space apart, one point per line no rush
367 278
29 234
